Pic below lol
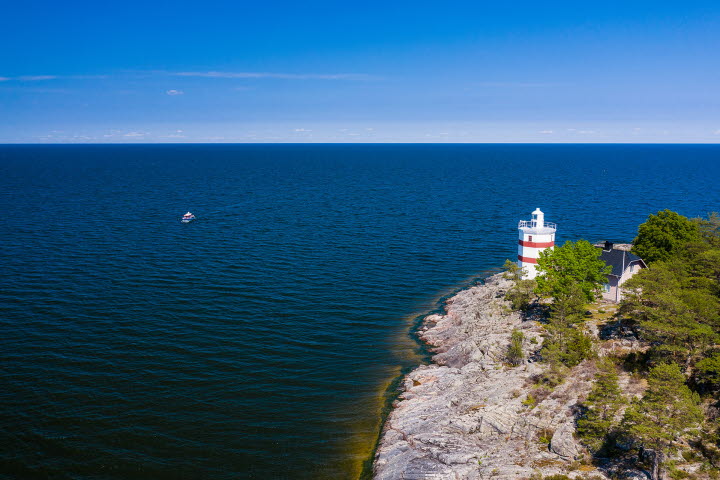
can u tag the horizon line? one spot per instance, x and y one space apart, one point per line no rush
353 143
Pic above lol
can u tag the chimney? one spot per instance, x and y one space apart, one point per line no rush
608 246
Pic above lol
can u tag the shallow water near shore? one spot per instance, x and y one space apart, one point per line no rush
260 340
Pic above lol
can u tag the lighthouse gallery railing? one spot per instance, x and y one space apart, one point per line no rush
529 224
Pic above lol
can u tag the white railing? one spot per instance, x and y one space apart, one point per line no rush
533 224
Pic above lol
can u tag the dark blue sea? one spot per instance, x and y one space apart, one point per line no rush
262 340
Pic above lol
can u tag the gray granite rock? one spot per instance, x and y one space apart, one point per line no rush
563 443
463 416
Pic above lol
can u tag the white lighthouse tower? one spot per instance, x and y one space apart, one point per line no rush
534 236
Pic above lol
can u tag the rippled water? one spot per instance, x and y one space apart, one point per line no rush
260 340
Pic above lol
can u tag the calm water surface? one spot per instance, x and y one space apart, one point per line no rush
259 341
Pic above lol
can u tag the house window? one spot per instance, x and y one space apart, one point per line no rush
606 287
529 238
632 267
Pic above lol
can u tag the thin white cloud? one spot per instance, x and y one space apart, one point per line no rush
85 77
716 132
207 74
520 84
302 130
282 76
546 132
135 134
35 78
43 90
39 78
174 92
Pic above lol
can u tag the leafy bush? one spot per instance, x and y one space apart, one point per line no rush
521 294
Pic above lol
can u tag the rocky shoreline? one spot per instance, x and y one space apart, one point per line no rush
469 415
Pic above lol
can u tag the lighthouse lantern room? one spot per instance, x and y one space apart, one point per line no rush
535 235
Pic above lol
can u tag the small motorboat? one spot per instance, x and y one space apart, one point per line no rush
187 218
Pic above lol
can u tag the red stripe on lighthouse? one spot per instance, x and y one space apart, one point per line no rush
536 244
527 259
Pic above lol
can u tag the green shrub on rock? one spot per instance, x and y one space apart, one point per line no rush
521 294
515 354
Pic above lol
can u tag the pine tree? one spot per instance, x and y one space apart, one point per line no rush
515 353
676 308
709 228
566 343
708 372
666 411
601 406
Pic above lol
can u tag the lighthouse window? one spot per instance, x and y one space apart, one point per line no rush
529 238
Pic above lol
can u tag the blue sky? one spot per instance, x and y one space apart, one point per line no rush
360 72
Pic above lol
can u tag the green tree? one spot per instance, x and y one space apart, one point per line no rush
515 353
663 234
521 294
571 275
575 263
605 399
667 410
565 342
568 308
710 228
566 345
708 371
676 309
